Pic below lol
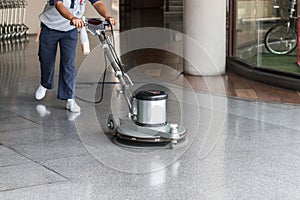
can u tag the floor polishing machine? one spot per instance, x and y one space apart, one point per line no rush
147 118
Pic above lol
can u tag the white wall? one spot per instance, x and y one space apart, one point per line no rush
35 7
205 23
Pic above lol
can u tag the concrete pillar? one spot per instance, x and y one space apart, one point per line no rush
205 22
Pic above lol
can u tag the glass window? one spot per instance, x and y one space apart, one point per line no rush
265 34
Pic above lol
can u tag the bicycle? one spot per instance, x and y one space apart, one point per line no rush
282 39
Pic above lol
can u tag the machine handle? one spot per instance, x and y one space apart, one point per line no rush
93 21
95 25
129 79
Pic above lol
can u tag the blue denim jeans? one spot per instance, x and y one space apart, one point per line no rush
48 44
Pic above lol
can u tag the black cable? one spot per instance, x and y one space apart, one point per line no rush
114 54
112 48
102 91
117 60
103 80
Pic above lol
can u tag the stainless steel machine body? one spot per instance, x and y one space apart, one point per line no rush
151 108
147 118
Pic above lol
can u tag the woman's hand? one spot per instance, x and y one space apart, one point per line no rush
77 22
111 20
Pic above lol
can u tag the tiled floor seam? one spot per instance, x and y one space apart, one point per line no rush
31 186
36 162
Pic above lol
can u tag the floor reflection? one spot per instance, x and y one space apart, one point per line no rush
13 63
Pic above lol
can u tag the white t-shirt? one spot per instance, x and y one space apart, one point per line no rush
54 20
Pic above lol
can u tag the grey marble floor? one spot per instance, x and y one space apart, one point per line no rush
234 149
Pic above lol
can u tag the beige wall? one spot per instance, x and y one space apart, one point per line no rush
35 7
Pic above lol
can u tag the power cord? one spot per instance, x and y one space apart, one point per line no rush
112 48
117 60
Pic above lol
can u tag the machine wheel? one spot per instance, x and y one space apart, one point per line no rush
113 123
172 144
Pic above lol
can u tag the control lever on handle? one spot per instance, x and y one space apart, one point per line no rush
95 25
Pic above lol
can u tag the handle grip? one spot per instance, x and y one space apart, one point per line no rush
93 21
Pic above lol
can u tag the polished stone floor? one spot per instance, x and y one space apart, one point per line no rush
235 148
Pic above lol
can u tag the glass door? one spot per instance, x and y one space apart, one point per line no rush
263 33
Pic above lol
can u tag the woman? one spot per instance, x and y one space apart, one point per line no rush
56 28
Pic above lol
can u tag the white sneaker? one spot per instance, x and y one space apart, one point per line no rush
72 106
72 115
40 92
42 110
